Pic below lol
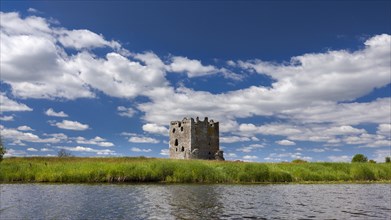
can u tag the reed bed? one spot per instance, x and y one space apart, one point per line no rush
127 169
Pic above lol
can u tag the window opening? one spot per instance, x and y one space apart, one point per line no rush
183 149
173 130
176 142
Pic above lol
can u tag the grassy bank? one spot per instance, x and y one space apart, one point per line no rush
91 170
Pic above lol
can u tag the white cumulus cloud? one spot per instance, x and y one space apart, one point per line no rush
193 68
8 105
15 153
36 65
89 150
18 137
126 112
156 129
233 139
51 112
80 39
249 157
71 125
285 142
343 158
250 148
136 149
94 141
25 128
384 129
143 139
311 89
7 118
287 156
331 76
230 155
165 152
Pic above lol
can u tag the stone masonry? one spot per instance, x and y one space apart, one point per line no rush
195 139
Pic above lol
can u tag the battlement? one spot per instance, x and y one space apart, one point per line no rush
195 139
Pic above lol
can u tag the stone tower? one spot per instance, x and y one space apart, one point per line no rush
195 139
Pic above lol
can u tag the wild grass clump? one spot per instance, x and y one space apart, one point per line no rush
126 169
362 173
252 172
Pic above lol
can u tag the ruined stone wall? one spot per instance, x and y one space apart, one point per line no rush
180 139
206 138
195 139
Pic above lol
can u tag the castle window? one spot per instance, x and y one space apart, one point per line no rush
173 130
183 149
176 142
176 149
209 153
181 128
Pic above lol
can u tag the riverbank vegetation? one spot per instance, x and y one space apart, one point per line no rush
126 169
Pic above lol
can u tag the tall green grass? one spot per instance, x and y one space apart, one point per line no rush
90 170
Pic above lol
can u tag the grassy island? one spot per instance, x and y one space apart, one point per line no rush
93 170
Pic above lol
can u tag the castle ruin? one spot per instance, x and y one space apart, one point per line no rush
195 139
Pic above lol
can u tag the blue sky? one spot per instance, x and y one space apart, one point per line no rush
285 79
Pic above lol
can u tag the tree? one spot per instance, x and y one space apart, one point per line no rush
388 160
2 149
63 153
359 158
299 161
372 161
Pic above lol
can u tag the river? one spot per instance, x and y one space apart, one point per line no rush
191 201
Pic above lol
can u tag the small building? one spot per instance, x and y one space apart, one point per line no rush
195 139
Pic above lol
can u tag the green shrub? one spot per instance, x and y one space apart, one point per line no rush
359 158
362 173
299 161
280 177
252 172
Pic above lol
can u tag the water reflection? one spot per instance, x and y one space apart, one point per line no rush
195 202
78 201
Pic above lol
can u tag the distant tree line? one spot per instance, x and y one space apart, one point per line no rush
361 158
358 158
64 153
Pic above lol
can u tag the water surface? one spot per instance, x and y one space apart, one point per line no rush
189 201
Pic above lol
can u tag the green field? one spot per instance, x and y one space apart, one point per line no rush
93 170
